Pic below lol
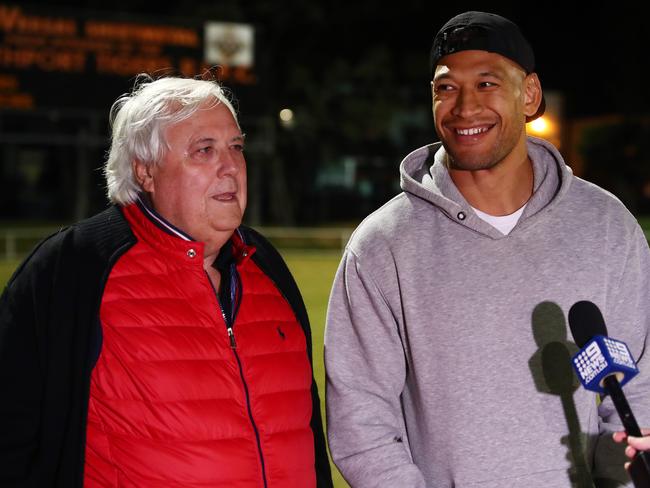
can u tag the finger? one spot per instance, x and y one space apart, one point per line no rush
619 436
630 452
640 443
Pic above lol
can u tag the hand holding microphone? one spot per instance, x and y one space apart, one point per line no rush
640 443
604 365
635 444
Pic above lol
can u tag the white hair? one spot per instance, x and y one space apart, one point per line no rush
138 122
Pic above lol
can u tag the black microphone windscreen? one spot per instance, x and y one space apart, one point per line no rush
586 321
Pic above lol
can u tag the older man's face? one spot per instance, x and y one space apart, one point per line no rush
200 185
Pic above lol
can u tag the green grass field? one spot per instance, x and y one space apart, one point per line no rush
314 272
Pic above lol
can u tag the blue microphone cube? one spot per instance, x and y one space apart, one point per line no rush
600 357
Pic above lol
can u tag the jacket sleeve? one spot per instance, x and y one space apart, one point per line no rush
49 339
627 316
366 370
270 261
21 374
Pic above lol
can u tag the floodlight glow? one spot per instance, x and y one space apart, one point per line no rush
286 115
539 126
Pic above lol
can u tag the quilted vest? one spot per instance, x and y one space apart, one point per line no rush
175 401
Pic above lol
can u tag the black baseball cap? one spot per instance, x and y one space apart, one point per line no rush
485 32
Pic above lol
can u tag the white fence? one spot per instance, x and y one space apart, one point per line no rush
17 242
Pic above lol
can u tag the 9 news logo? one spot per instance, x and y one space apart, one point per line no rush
619 353
603 357
590 362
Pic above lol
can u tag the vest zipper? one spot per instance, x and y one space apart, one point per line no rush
250 416
233 346
231 335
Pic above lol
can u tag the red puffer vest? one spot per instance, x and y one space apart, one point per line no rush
173 401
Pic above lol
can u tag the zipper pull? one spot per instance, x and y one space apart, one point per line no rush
231 335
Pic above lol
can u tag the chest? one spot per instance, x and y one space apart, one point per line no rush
163 325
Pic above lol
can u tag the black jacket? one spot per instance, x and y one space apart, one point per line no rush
49 336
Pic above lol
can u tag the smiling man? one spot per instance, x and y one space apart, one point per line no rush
444 304
161 343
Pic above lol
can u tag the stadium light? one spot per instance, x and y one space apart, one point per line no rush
286 118
541 127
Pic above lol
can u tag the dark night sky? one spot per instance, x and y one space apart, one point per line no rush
596 55
356 74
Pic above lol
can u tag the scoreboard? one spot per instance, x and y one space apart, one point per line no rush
81 59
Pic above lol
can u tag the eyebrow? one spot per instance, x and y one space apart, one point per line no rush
442 76
482 74
203 140
493 74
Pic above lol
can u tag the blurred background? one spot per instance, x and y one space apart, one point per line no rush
331 94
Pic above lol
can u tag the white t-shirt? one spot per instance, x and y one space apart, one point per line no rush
503 223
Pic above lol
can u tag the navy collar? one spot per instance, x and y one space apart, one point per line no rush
160 221
225 257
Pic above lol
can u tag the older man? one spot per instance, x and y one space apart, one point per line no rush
160 343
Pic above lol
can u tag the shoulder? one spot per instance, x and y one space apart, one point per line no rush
594 201
88 243
386 225
98 236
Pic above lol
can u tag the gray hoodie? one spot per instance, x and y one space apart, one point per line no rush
447 347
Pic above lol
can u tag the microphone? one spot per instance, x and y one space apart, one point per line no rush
604 365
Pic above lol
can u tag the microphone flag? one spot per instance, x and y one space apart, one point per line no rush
602 357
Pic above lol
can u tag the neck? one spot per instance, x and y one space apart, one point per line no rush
213 246
500 190
213 274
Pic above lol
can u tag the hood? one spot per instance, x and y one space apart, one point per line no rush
424 175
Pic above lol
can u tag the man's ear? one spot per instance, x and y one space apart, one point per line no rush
143 175
532 94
